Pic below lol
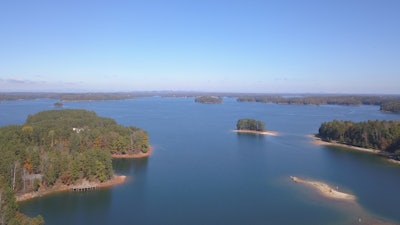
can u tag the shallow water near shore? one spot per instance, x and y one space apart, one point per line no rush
202 173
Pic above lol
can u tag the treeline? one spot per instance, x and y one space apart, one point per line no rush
250 124
208 99
68 96
391 106
95 96
387 103
381 135
60 147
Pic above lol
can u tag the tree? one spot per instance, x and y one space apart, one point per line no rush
382 135
250 124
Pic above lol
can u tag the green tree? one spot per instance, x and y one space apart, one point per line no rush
250 124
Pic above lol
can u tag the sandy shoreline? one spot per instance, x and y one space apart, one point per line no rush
270 133
117 179
133 156
319 141
325 189
61 187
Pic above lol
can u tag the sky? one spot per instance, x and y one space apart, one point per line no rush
267 46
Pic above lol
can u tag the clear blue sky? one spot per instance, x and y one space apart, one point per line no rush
297 46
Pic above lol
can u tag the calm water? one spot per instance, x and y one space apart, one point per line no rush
201 173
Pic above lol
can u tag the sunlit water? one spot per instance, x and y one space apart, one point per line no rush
202 173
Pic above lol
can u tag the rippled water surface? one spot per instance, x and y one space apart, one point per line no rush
202 173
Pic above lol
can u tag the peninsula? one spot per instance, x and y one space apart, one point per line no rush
379 137
57 150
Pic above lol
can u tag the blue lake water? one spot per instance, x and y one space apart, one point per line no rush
202 173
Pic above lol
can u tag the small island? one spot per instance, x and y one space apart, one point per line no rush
208 100
252 126
58 105
60 150
379 137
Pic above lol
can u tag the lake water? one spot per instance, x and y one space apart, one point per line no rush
202 173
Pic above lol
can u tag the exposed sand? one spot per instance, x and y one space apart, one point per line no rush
60 188
270 133
347 202
133 156
325 189
319 141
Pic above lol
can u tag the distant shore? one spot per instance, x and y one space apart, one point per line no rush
325 189
270 133
133 156
117 179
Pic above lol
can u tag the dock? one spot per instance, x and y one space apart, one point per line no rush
85 187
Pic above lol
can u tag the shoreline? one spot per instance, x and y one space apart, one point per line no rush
325 190
319 141
270 133
133 156
117 179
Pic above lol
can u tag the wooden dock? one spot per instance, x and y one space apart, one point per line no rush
85 187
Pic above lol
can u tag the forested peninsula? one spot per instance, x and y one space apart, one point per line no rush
60 148
380 135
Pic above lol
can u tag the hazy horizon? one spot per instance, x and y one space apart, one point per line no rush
271 47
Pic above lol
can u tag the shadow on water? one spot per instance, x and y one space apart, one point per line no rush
130 166
246 138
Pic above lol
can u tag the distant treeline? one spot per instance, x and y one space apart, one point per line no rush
68 96
100 96
250 124
60 147
208 100
381 135
391 106
386 103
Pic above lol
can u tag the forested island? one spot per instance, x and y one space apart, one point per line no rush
60 148
380 135
208 100
252 126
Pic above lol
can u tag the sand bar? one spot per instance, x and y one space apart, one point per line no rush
270 133
325 189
